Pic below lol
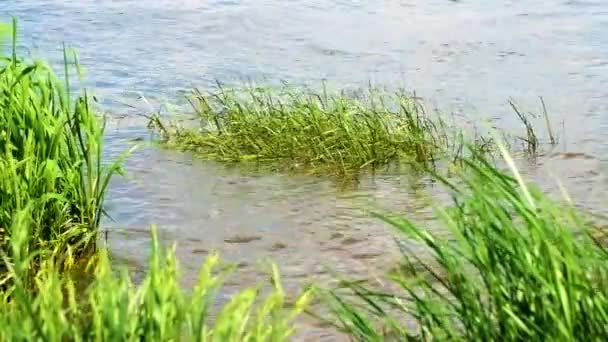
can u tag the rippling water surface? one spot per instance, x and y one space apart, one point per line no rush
464 56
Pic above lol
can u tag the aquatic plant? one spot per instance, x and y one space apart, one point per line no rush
48 305
300 129
342 133
51 148
518 266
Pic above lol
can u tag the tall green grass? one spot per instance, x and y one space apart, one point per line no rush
519 267
47 305
52 188
299 129
342 133
51 149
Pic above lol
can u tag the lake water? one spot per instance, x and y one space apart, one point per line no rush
463 56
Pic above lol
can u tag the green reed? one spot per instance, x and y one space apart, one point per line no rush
299 129
52 188
47 305
51 147
518 267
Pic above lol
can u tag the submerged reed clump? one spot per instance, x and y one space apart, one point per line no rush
519 267
48 306
299 129
51 146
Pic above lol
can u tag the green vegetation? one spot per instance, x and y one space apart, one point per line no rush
112 308
519 267
300 129
51 147
52 188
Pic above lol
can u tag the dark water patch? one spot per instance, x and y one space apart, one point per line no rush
242 239
277 246
351 241
336 235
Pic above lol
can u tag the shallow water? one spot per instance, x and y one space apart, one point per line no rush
465 56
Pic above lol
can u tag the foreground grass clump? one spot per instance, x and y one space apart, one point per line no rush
520 267
299 129
51 147
47 306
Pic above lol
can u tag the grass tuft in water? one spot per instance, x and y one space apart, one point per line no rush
518 267
340 133
300 129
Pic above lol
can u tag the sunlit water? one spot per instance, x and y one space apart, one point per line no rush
465 57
